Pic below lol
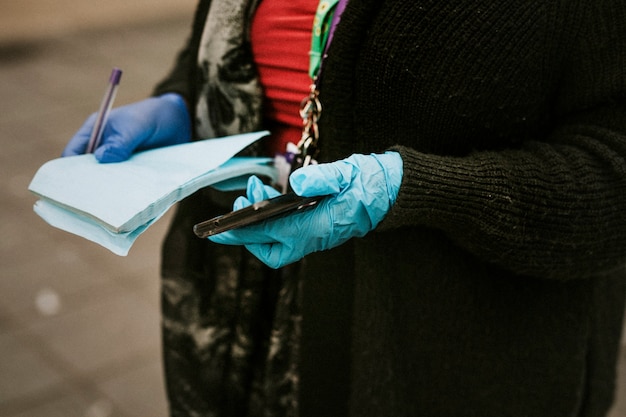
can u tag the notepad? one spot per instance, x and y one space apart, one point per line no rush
112 204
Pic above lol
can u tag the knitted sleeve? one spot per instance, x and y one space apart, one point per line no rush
556 206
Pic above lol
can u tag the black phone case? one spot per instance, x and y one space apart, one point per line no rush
254 213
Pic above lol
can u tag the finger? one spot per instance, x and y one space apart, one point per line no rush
77 145
270 192
225 238
241 202
274 255
248 235
257 191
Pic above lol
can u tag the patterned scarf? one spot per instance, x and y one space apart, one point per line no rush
231 326
230 97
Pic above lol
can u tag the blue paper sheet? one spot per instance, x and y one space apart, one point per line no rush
112 204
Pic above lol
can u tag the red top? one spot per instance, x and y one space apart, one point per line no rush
281 40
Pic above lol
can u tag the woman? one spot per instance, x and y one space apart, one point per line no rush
489 279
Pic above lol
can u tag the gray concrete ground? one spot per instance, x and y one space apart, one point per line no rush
79 326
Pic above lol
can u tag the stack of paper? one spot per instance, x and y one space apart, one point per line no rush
112 204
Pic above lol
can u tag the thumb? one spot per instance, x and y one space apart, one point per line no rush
322 179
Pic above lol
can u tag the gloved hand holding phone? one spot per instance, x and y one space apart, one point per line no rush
361 189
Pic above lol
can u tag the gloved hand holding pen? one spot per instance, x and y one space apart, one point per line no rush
150 123
361 189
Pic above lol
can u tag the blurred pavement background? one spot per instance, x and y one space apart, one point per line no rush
79 326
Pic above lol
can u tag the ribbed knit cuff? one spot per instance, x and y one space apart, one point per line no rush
443 192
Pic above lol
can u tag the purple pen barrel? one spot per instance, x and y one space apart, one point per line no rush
105 108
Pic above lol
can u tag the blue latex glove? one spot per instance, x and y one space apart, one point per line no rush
361 189
150 123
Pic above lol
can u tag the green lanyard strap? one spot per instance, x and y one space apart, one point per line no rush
321 29
326 20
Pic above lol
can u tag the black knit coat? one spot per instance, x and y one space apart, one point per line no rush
495 285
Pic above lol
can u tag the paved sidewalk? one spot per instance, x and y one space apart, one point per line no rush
79 326
23 20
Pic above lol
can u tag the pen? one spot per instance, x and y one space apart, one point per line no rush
105 108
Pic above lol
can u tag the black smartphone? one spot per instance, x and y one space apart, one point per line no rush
255 213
